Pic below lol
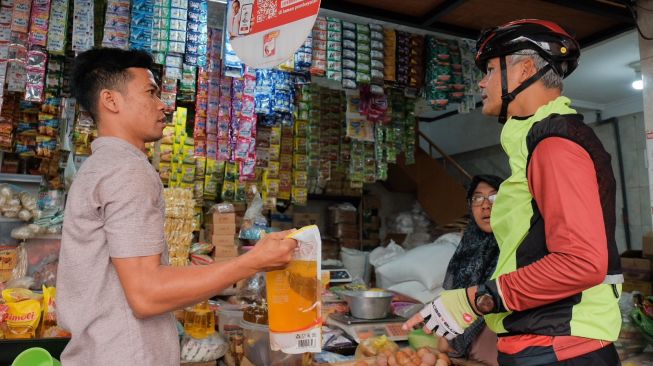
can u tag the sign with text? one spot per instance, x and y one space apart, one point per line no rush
265 33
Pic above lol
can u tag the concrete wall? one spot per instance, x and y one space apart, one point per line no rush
492 160
633 148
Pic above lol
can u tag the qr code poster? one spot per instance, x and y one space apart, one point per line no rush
265 33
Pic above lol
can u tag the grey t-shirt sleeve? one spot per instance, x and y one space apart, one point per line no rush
132 210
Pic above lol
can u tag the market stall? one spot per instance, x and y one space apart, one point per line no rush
246 151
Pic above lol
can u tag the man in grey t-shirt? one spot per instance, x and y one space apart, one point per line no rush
115 289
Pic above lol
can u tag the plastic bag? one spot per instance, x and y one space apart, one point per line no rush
254 223
222 208
357 263
252 290
630 341
203 350
382 255
374 346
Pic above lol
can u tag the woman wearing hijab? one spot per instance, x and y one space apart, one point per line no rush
474 262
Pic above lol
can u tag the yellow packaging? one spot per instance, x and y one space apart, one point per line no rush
294 297
18 294
8 260
49 327
22 319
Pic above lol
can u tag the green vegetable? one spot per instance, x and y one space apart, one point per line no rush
418 339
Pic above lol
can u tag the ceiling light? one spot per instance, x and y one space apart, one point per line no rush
638 83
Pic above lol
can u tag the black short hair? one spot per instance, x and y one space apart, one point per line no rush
493 180
103 68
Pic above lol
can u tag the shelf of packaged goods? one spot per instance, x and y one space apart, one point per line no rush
20 178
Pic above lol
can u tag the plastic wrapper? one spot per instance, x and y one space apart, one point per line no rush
83 25
22 319
252 290
179 224
203 350
375 345
254 223
49 327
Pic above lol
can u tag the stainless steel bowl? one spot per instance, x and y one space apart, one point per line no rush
368 304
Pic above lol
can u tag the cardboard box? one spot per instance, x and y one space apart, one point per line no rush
397 237
281 225
350 243
304 219
374 224
223 240
224 229
647 244
331 252
370 244
352 192
333 191
644 287
208 231
370 234
340 216
344 231
635 267
225 251
371 202
224 218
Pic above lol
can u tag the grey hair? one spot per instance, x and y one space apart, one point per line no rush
550 80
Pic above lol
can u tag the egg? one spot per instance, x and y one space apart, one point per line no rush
402 358
422 351
443 356
429 358
392 361
441 362
361 363
381 360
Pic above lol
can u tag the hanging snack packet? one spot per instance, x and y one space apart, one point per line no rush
293 296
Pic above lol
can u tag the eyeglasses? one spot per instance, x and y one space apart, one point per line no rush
478 199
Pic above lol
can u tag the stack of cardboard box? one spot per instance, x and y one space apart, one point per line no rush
637 267
371 222
343 226
223 236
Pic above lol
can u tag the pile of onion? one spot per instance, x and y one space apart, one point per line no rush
409 357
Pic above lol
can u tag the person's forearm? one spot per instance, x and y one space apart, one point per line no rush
170 288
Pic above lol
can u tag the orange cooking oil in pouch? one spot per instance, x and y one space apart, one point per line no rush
294 297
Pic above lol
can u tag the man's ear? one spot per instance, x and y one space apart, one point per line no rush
528 69
109 100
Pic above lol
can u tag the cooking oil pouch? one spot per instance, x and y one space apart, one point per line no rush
293 294
49 327
22 319
19 294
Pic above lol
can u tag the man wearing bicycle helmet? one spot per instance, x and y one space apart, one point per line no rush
553 299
